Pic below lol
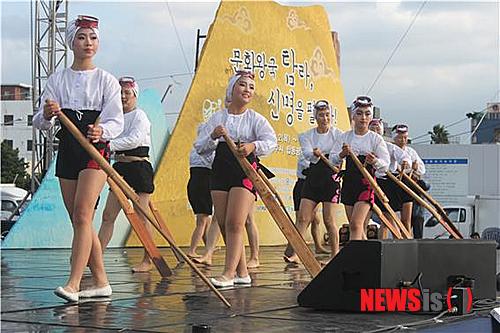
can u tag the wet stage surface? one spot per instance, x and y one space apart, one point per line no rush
143 302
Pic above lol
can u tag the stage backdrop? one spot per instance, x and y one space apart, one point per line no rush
45 223
291 52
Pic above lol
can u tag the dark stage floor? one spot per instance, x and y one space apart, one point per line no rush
146 303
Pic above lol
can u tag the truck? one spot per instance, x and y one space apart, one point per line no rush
14 201
476 217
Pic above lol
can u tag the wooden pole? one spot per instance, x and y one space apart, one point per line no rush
161 222
444 220
129 193
284 223
381 195
138 226
275 192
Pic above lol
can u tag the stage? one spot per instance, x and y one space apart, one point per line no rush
143 302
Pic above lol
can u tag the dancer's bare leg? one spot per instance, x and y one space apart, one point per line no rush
331 227
79 198
253 240
202 220
406 215
316 234
211 245
146 264
306 212
357 219
109 215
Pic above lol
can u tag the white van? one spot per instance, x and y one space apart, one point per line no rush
12 197
473 217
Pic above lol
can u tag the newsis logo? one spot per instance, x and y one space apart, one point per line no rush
409 299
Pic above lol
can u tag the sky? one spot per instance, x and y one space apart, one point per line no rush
447 65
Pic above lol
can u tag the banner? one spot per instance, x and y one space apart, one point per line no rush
291 52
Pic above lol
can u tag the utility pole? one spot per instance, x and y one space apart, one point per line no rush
199 37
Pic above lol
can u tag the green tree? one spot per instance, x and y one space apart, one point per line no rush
14 168
439 134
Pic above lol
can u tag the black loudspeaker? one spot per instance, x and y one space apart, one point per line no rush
387 263
472 258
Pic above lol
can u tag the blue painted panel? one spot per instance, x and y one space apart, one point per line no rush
45 222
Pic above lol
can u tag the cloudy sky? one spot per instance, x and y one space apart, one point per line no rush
446 66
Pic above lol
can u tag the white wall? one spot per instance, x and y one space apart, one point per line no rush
483 165
20 132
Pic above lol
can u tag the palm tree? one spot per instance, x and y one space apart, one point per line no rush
439 134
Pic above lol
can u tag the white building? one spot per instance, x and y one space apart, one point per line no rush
16 111
457 171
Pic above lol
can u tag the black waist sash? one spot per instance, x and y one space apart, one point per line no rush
81 119
142 151
352 171
319 173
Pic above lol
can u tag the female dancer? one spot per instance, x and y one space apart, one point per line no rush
357 194
198 189
233 193
302 170
400 137
321 184
131 149
83 93
399 159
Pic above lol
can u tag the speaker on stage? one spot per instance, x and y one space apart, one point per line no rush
375 264
439 259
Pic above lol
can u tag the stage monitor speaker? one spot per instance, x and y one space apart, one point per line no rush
360 264
385 264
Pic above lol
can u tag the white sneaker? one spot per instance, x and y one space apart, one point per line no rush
243 280
96 292
69 296
222 284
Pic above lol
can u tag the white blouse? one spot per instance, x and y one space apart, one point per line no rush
302 164
414 157
248 127
201 161
371 142
136 132
93 89
311 139
398 156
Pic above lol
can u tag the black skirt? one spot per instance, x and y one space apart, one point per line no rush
198 190
139 175
355 187
392 192
405 197
321 184
227 172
